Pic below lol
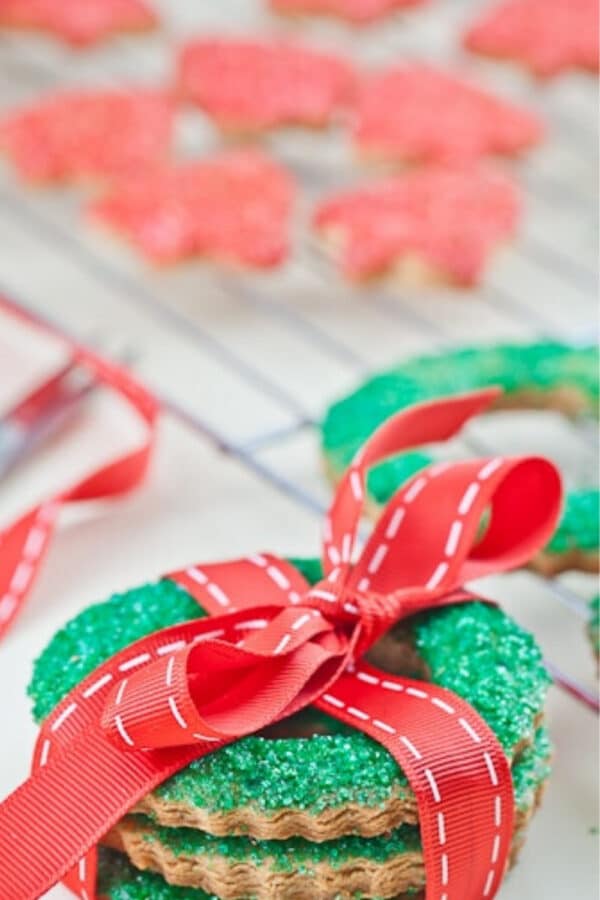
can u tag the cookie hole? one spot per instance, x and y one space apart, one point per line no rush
395 654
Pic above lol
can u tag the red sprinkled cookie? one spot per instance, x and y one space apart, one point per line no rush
547 36
429 222
416 113
78 22
78 135
356 11
235 207
249 86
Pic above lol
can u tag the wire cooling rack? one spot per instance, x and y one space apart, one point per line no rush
279 347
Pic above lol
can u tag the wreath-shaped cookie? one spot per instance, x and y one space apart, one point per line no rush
311 805
541 375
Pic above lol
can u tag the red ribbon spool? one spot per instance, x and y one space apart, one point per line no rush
185 691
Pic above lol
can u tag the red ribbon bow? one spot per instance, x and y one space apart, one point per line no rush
272 645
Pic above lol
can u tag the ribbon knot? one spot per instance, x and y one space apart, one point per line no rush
370 613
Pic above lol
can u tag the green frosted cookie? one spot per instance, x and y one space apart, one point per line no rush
475 650
120 880
316 799
544 374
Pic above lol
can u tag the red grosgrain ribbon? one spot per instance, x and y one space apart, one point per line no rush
24 543
272 645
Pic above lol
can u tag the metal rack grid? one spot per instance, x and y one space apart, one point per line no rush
306 306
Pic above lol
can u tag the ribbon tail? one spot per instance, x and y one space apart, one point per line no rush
103 783
456 768
23 547
81 880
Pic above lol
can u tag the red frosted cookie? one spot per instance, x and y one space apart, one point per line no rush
357 11
547 37
233 207
88 134
430 223
249 85
416 113
78 22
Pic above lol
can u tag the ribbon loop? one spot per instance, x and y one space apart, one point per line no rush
436 420
215 689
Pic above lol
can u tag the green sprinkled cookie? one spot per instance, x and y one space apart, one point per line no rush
311 802
119 879
541 375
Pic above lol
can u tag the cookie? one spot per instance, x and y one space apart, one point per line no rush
233 208
271 811
357 12
78 23
76 136
119 880
387 865
252 86
546 38
539 375
426 225
416 113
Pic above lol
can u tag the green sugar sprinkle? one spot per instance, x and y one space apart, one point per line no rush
579 527
99 632
293 854
474 649
481 654
532 769
119 880
312 774
543 367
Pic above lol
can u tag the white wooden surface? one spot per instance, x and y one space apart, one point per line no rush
255 360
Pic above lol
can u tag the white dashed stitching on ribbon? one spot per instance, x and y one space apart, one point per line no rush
32 550
213 589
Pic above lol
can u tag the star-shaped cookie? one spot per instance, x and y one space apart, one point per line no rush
254 85
78 23
546 36
235 208
418 113
430 224
88 135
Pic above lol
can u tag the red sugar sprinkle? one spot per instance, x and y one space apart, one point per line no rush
450 219
548 36
88 134
235 207
356 11
417 113
248 85
78 22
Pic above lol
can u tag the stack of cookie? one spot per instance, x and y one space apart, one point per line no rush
311 808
